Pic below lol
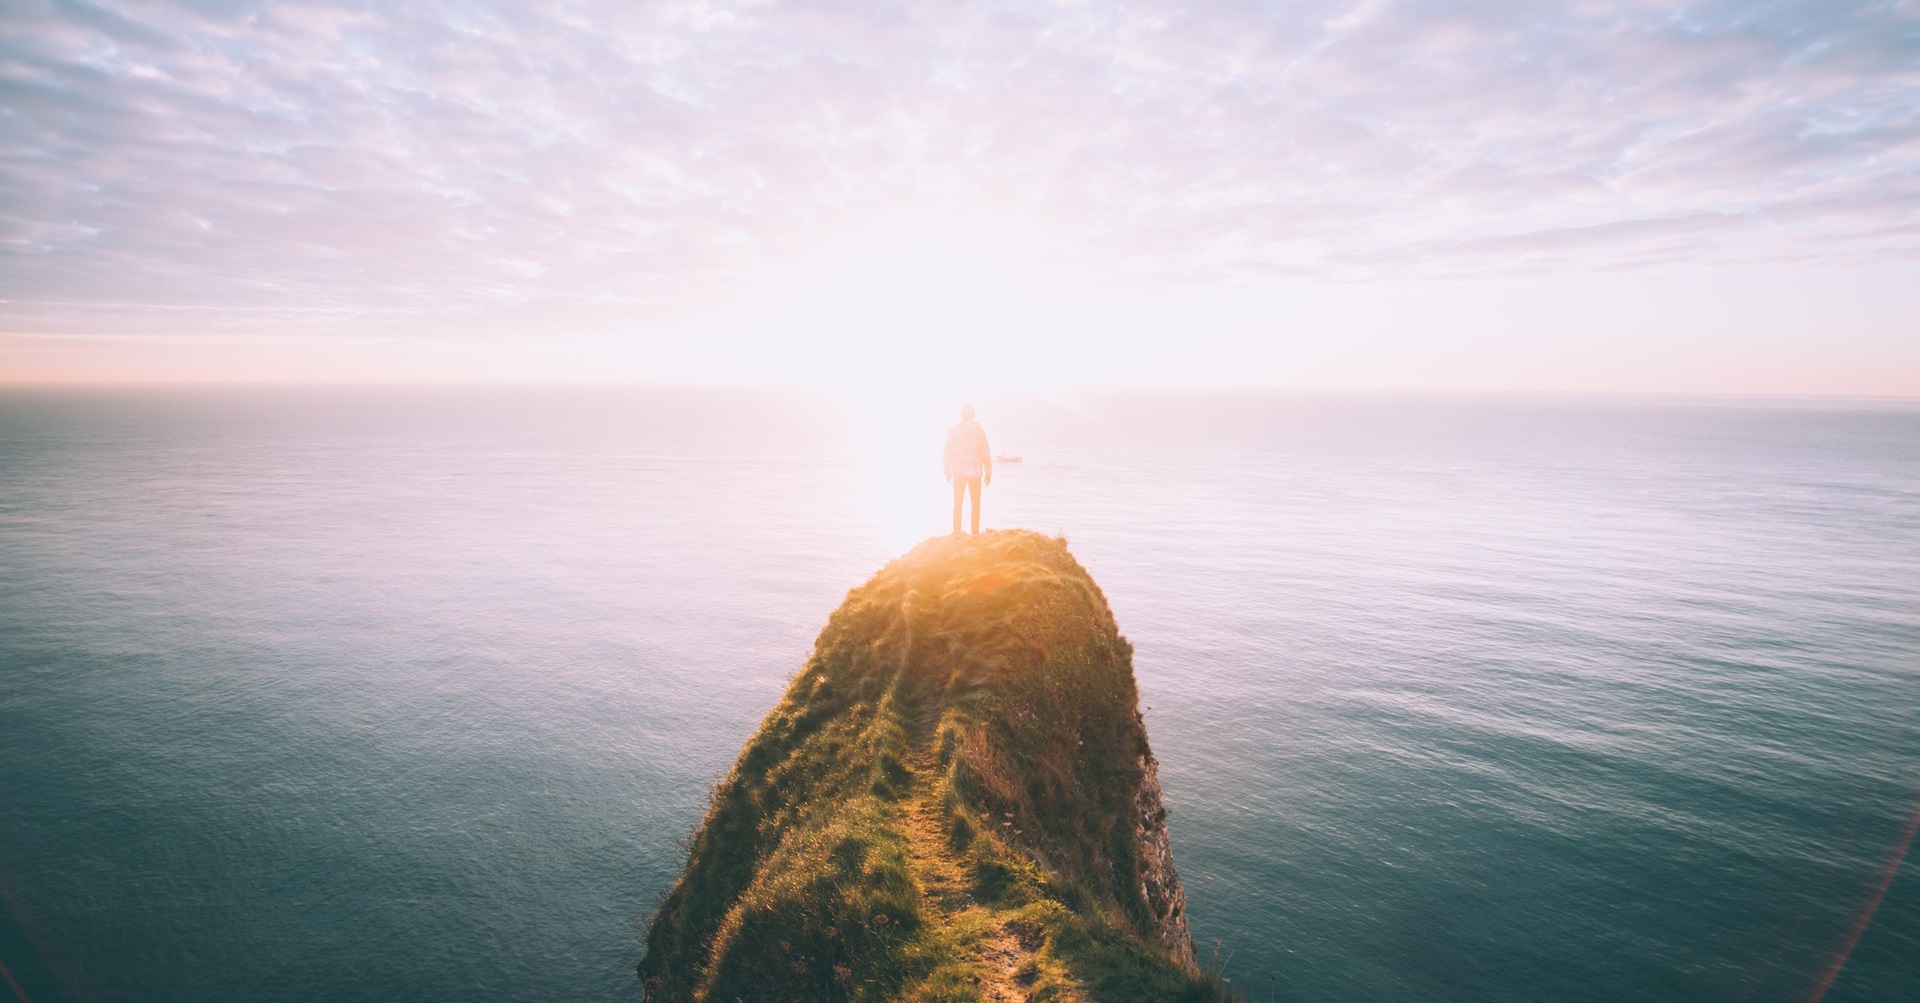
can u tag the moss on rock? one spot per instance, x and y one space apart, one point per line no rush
955 800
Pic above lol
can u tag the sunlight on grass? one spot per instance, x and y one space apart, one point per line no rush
955 802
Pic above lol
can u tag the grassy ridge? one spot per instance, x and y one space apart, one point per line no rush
946 805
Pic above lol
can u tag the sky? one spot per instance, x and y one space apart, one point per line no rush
1712 197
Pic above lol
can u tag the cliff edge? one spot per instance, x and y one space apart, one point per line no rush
955 800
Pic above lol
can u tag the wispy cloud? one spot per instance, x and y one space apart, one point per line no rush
425 158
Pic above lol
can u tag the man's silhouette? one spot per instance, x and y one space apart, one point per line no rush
969 464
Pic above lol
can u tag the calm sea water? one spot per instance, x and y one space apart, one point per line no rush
327 695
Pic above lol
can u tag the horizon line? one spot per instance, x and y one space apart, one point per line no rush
7 384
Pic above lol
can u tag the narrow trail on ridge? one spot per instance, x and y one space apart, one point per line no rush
1002 960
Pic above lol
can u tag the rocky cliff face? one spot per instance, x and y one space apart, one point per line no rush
1159 884
955 800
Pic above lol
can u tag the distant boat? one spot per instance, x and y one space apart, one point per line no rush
1004 458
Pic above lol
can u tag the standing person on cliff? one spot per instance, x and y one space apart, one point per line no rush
969 464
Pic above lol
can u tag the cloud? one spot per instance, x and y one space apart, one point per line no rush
290 164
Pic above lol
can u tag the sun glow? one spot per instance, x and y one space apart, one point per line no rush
901 321
897 445
918 305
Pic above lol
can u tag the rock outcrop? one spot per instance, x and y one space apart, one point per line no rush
955 800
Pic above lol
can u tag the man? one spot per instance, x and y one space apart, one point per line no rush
968 463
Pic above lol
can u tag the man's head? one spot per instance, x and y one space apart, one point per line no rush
966 412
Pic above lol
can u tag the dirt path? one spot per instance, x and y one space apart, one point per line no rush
1003 966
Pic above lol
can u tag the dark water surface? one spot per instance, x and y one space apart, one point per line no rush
324 695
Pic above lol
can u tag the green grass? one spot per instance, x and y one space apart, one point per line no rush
945 798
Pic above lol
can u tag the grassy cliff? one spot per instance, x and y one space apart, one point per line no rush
954 801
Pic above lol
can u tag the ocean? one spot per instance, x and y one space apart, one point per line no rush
411 694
